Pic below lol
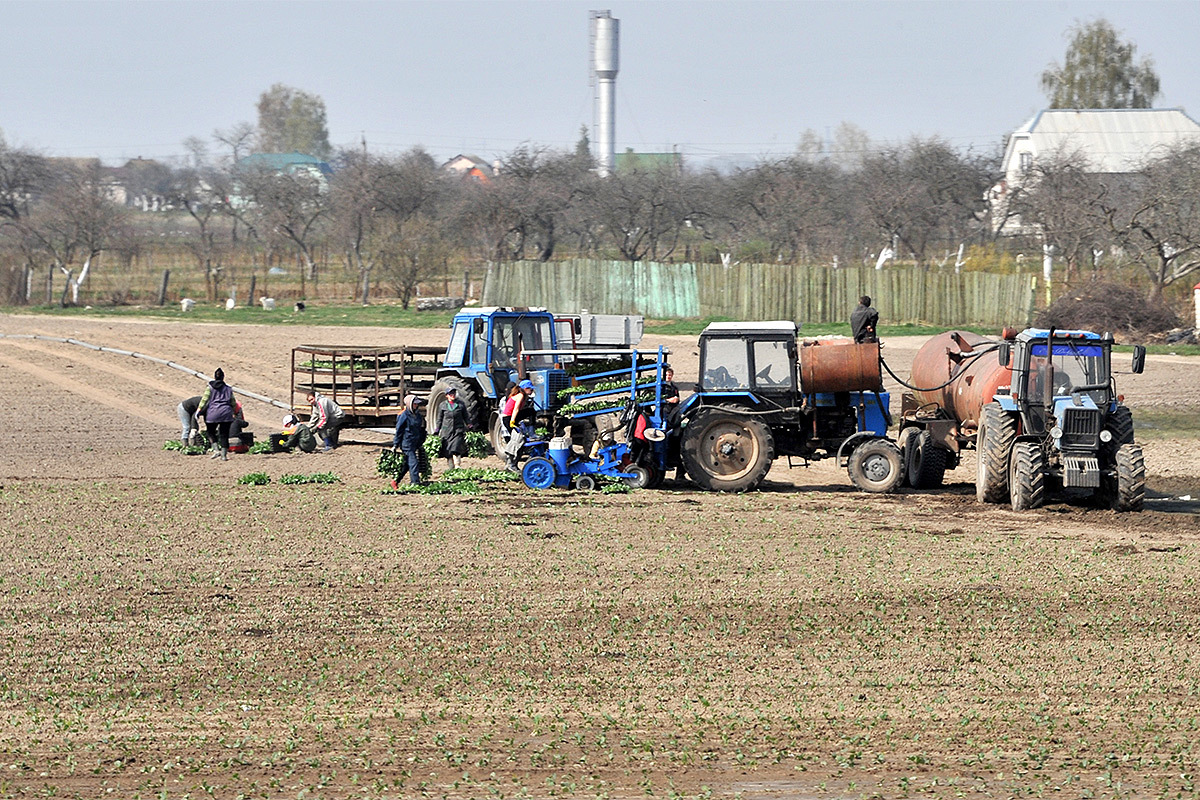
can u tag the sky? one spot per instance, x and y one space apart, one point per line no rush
721 82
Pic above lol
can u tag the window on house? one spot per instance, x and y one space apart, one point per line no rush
1026 162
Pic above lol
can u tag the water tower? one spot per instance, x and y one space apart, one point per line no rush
606 31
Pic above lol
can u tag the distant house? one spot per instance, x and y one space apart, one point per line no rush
630 161
142 183
1112 141
472 167
281 164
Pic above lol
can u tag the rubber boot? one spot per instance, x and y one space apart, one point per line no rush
224 454
216 453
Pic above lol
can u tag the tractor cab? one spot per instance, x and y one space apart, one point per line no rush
490 346
748 359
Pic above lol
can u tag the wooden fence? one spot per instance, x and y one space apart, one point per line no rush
765 291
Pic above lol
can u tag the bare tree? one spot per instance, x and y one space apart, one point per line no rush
1156 217
1060 197
643 212
74 221
289 206
23 175
924 194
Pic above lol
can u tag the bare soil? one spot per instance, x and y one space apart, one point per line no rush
168 632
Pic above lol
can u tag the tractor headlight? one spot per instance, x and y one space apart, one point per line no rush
1106 436
1056 432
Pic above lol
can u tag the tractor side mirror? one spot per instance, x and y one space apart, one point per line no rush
477 327
1004 353
1139 359
578 327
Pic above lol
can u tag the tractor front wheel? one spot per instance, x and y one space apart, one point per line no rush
1027 476
724 451
1130 489
876 466
993 447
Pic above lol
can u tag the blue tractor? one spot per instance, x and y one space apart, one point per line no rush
1060 425
490 347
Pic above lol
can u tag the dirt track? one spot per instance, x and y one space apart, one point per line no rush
169 631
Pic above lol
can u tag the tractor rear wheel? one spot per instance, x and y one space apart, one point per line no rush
1027 476
993 447
725 451
1130 489
876 466
926 461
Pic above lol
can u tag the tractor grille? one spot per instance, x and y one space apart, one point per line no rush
1081 428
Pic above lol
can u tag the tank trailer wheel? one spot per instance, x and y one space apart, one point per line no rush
1130 494
876 466
993 446
585 483
724 451
926 462
539 473
1027 476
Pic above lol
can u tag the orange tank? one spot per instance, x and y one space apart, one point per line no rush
973 380
839 365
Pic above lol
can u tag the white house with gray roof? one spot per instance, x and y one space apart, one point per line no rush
1112 141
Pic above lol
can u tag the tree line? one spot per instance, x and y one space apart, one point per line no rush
393 220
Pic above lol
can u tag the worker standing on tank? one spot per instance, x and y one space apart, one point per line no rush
863 321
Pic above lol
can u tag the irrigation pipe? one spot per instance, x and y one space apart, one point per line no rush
143 356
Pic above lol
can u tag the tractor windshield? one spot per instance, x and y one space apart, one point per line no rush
1076 364
529 333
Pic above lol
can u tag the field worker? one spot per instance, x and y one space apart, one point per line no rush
522 411
326 420
506 409
217 408
451 425
670 398
189 426
294 434
410 436
863 321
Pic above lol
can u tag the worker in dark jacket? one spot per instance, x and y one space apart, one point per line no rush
452 427
410 436
863 321
217 406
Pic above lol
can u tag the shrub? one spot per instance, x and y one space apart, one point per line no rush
1102 306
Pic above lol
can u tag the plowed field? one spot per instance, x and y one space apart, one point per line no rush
168 632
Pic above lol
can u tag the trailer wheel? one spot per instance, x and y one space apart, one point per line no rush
585 483
926 461
993 447
1130 489
539 473
724 451
642 476
466 396
1027 476
876 466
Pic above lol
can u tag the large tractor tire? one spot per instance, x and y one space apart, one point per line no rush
1120 425
876 466
466 396
725 451
496 434
926 461
1027 476
993 445
1130 490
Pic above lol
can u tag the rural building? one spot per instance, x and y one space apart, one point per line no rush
1111 141
473 167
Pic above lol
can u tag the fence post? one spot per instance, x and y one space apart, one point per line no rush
50 285
162 288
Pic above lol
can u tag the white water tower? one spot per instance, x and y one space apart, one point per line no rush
606 31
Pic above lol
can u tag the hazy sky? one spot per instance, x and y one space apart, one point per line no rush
125 79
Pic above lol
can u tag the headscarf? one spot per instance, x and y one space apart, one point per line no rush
410 402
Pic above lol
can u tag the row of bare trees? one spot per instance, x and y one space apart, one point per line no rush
397 219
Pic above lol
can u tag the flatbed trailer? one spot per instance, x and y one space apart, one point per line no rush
369 383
